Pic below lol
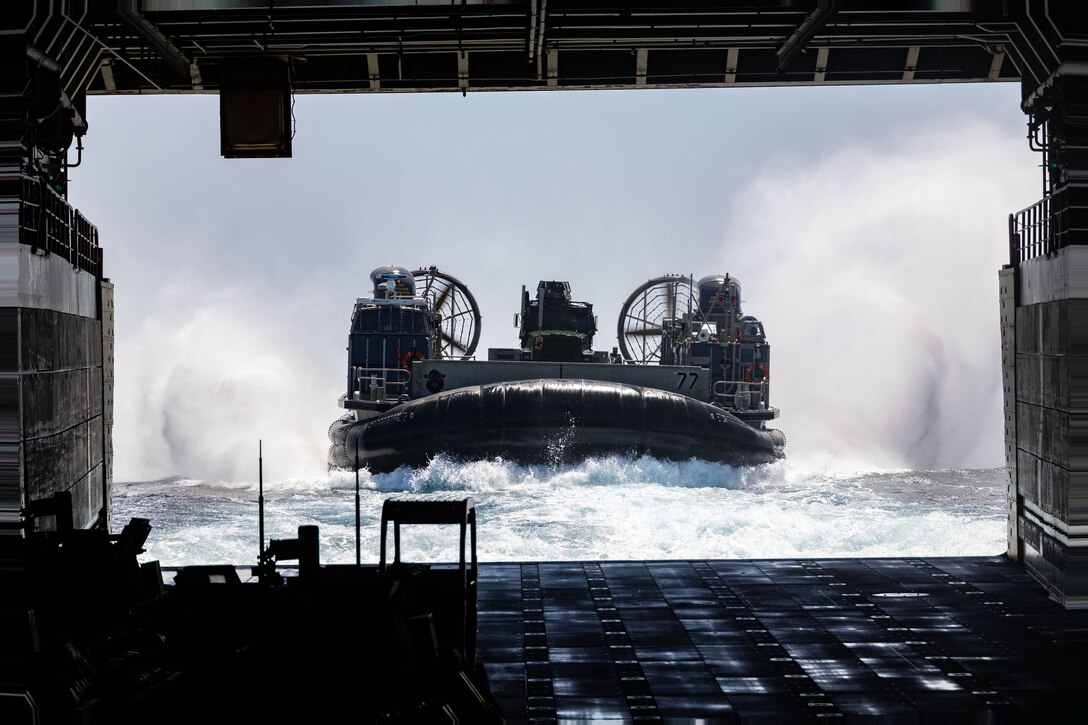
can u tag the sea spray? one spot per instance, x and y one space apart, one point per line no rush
605 508
882 298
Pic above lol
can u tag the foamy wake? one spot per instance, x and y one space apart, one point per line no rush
606 508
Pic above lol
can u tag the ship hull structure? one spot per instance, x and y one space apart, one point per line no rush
549 421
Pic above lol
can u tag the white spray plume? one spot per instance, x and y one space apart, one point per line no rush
875 271
208 375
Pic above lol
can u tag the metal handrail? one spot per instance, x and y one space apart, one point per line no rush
1030 232
1048 225
396 378
742 386
49 225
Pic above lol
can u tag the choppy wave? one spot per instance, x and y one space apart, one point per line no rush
605 508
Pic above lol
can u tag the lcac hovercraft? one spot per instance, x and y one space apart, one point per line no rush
689 378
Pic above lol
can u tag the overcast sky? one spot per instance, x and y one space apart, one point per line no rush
866 225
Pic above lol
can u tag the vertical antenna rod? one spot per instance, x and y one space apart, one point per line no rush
260 500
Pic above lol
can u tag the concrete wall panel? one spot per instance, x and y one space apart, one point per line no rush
1078 498
1053 328
54 462
58 389
54 341
1044 572
95 442
1054 489
1043 380
56 401
1027 476
1043 432
11 490
1053 332
1076 588
47 282
1078 442
1077 383
1063 569
10 424
1062 276
1051 573
1044 556
9 333
1042 329
1027 330
87 498
1076 322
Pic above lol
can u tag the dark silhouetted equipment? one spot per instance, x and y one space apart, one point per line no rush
97 638
554 327
206 575
453 590
255 108
53 119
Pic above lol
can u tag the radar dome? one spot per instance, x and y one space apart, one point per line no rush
390 282
718 292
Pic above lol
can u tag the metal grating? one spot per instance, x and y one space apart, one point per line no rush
907 639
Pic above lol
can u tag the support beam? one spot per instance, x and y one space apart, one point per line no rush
731 57
996 63
372 71
912 63
797 42
128 11
641 57
107 75
821 64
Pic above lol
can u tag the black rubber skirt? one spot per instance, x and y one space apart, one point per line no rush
552 421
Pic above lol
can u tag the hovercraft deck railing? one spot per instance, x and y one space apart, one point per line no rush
378 384
728 393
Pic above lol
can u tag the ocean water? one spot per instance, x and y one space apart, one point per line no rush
603 509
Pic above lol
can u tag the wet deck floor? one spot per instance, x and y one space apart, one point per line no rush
890 640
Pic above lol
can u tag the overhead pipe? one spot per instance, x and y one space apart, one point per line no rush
129 12
539 26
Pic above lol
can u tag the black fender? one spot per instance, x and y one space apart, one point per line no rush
556 421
